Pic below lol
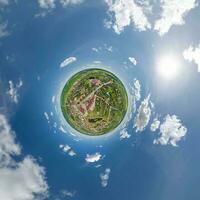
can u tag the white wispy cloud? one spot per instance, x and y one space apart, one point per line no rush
192 54
67 193
20 180
62 129
95 49
124 134
47 116
91 158
13 90
53 99
143 115
105 177
171 131
47 4
4 2
50 4
125 13
97 62
71 2
155 125
105 47
67 149
133 60
67 61
173 13
136 89
4 30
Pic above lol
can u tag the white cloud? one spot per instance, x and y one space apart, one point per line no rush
13 90
50 4
97 62
143 115
3 30
155 125
67 193
67 149
70 2
95 49
136 90
4 2
47 4
90 158
192 54
124 134
72 153
133 60
105 47
126 12
67 61
46 116
171 131
53 99
173 13
62 129
105 177
20 180
108 48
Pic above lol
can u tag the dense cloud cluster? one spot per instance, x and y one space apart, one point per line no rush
131 12
171 131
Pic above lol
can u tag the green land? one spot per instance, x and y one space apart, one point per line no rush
94 101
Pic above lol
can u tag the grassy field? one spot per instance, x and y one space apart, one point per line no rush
94 101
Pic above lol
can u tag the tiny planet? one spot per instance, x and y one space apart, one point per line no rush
94 102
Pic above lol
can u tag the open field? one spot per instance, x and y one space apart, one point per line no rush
94 101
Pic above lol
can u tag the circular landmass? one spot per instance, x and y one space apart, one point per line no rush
94 101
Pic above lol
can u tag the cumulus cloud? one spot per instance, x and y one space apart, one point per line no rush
91 158
67 61
67 149
13 90
143 115
171 131
105 177
155 125
20 180
192 54
133 60
124 134
173 13
125 13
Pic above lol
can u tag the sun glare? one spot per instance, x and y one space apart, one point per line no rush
168 67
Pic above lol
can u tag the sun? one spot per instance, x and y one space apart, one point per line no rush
168 67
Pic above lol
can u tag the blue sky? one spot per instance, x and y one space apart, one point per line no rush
153 47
